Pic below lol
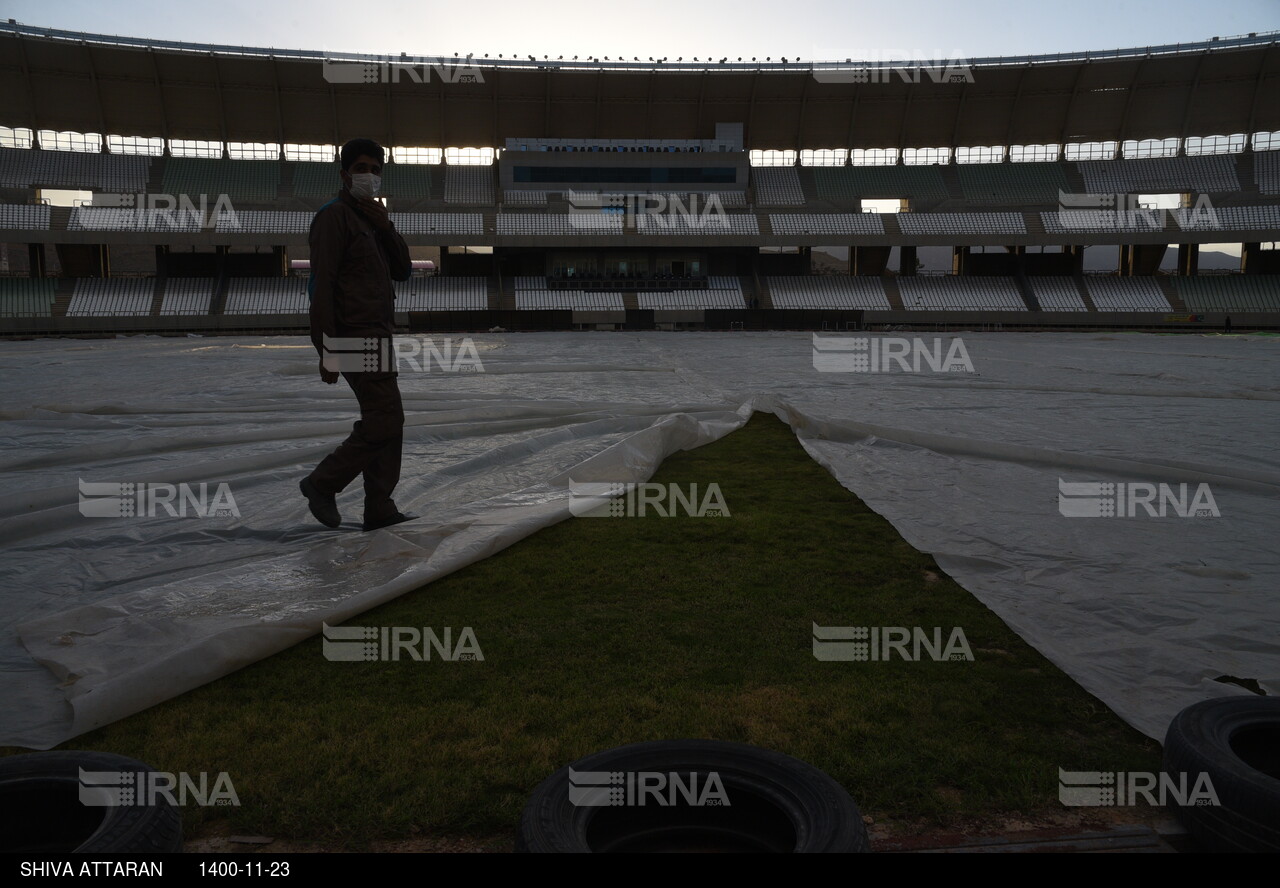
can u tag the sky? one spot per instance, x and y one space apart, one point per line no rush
821 29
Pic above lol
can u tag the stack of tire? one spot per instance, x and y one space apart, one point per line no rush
1235 741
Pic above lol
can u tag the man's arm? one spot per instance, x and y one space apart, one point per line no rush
394 249
327 240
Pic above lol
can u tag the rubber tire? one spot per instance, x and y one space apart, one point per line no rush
40 792
812 813
1200 739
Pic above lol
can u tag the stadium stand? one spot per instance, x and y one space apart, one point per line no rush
1010 183
438 293
111 297
31 216
961 223
250 180
1057 294
777 186
246 296
187 296
1138 220
1126 294
828 292
826 223
1214 218
1212 173
316 179
1229 292
27 297
525 198
701 225
32 167
468 184
412 181
957 293
567 300
126 219
265 221
1266 171
916 183
438 223
559 223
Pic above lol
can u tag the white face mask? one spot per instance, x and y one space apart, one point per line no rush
365 185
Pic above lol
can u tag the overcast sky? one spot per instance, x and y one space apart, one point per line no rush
821 29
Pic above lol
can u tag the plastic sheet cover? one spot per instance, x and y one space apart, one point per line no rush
106 616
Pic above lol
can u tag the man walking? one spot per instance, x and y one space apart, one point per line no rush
355 254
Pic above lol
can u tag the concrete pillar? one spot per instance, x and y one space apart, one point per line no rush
959 260
1188 259
35 259
907 261
868 261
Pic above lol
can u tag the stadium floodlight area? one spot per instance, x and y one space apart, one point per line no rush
961 223
826 223
187 296
1057 293
265 296
1126 294
30 216
111 297
960 293
827 292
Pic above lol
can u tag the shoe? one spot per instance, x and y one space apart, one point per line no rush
324 506
393 518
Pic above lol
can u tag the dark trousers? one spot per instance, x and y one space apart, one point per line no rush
372 448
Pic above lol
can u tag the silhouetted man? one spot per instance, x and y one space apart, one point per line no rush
355 254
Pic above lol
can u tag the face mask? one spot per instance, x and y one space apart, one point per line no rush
365 185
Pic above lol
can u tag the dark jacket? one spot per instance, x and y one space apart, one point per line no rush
352 266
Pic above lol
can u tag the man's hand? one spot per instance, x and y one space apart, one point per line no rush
375 212
329 376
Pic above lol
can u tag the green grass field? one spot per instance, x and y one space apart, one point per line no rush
597 633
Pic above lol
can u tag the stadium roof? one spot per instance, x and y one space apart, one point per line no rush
62 80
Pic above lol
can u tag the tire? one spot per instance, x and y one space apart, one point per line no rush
40 793
1236 742
768 802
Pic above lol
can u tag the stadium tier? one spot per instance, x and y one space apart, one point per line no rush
1057 293
1126 294
442 294
27 297
949 293
829 292
716 211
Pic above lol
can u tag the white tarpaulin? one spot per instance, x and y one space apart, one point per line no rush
106 616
